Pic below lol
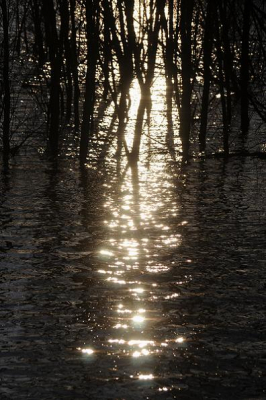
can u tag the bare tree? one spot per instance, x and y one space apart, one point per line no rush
6 83
92 19
187 7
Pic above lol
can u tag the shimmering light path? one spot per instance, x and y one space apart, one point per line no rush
136 274
148 284
143 231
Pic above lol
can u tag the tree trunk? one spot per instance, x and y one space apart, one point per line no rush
207 59
230 81
222 88
126 74
56 61
244 68
6 85
38 35
66 49
186 71
169 71
74 64
92 17
145 102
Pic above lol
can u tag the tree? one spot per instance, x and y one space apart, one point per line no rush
207 74
6 83
244 67
146 76
187 7
55 58
92 19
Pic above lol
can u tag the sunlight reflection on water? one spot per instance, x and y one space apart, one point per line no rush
161 289
141 232
158 293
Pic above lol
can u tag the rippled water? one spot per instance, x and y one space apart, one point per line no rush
147 286
151 286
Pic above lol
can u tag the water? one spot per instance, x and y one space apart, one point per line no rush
148 286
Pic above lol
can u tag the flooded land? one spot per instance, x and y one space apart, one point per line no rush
146 286
132 200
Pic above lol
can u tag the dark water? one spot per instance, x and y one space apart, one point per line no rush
151 286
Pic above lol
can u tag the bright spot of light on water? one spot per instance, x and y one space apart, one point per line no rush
132 252
130 243
143 352
113 224
138 318
180 340
125 311
146 377
102 271
141 343
106 253
127 197
130 224
172 296
157 268
171 241
137 290
86 351
118 341
122 326
115 280
136 354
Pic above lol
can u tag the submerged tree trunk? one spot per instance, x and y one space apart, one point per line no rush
74 64
56 60
186 72
169 72
145 87
222 87
244 68
224 10
6 84
207 59
144 105
126 73
65 49
38 34
92 17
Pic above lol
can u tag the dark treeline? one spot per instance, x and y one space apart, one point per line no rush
69 56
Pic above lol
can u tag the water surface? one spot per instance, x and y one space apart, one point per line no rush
151 285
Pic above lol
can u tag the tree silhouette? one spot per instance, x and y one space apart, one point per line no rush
82 54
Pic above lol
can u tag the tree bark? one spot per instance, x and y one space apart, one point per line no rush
65 49
74 64
6 84
92 17
186 71
244 68
56 61
38 34
145 102
207 59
